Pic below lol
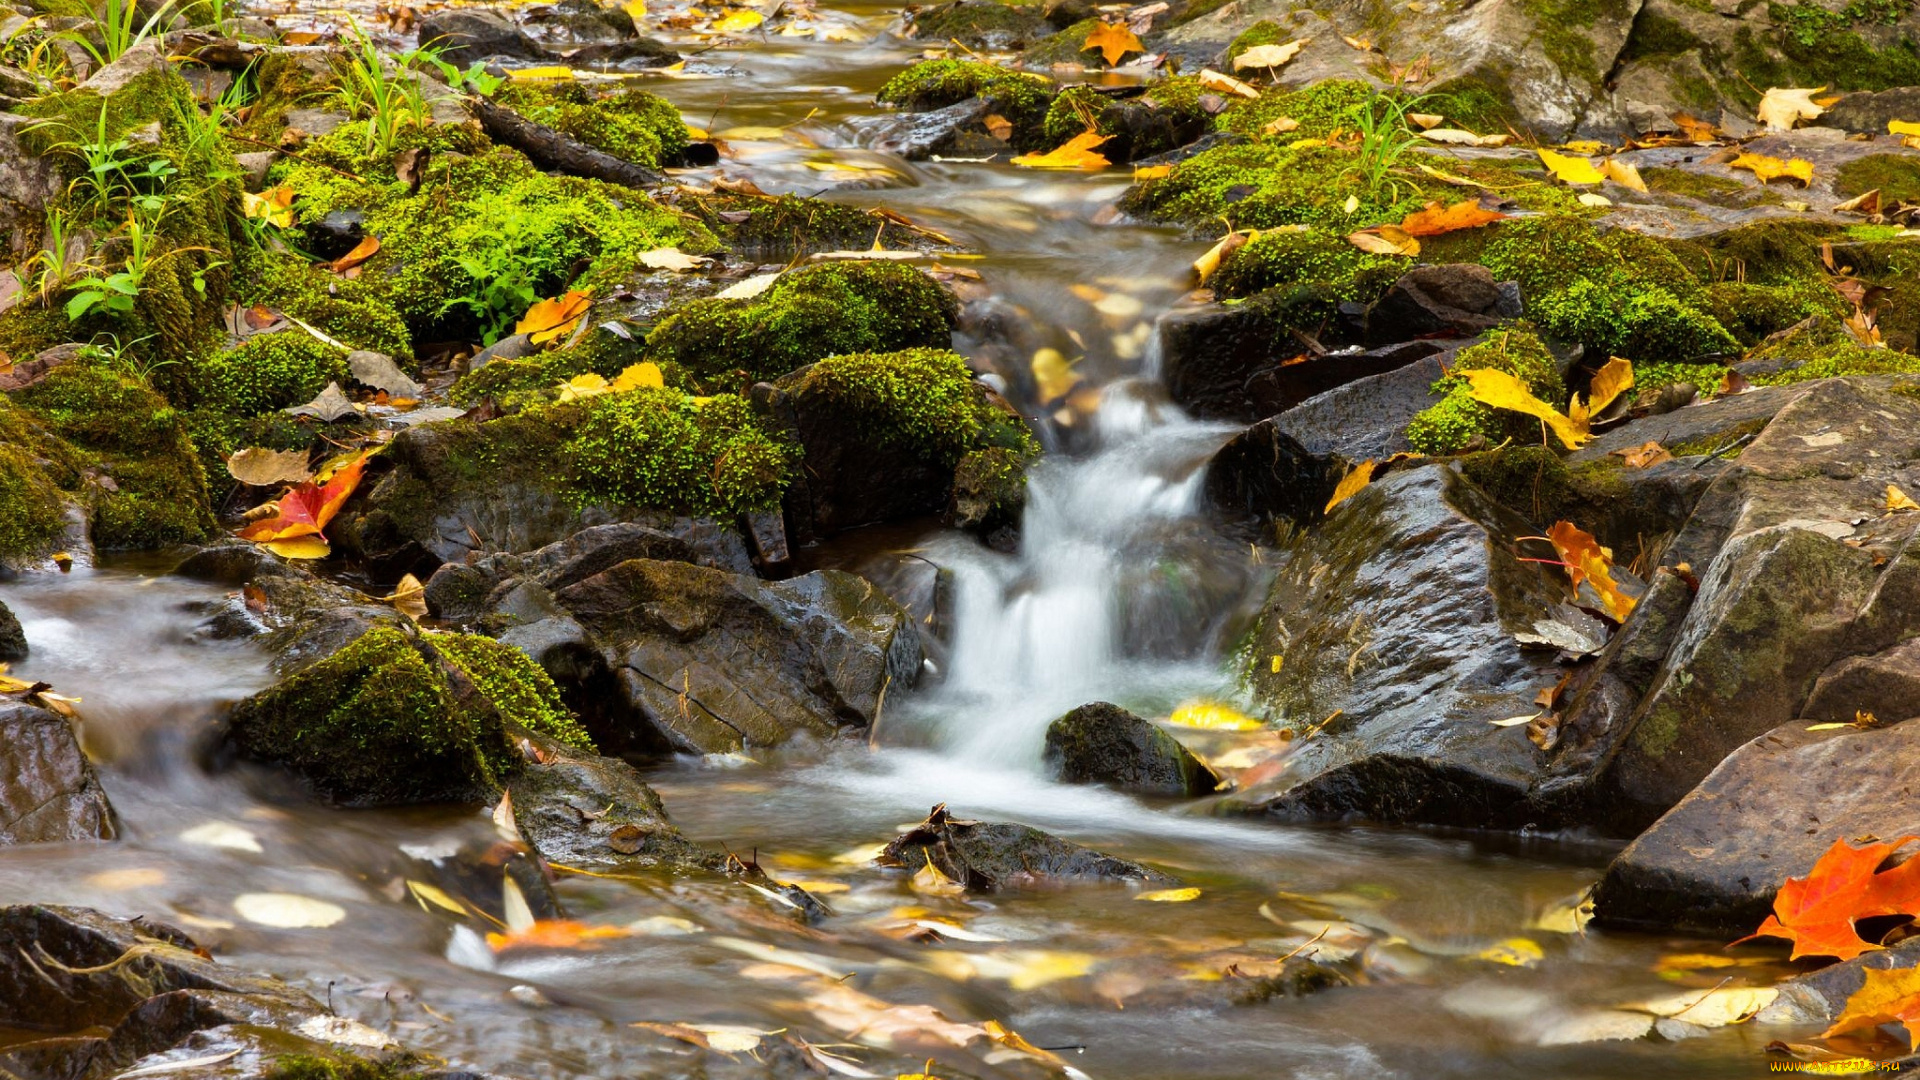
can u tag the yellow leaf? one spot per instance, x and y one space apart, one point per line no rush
669 258
428 894
1718 1007
1514 952
1349 486
1053 374
1114 40
752 133
1769 169
1385 240
1168 896
550 73
274 206
1213 716
583 386
1206 264
1612 380
1588 198
1588 147
1078 153
1902 127
1457 137
409 597
1226 84
1426 121
1885 996
549 319
1503 391
1152 172
1280 125
1592 564
1780 108
1897 500
636 9
1569 169
1623 173
1269 56
300 547
645 373
738 21
929 880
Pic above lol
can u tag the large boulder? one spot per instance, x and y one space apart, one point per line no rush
992 856
27 185
1454 299
703 661
48 790
1105 744
13 640
1713 863
1366 417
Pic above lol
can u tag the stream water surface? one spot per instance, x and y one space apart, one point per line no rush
1117 592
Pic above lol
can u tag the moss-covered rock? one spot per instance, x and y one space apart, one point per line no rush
781 227
933 84
1165 117
841 307
981 24
1069 46
1896 176
32 508
631 124
665 450
263 373
1307 257
1457 419
403 717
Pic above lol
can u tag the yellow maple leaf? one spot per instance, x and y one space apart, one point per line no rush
549 319
1570 168
1588 562
1897 500
1114 40
1887 995
1769 169
274 206
645 373
1782 107
737 21
1357 477
1078 153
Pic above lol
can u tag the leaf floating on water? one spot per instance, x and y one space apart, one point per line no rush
1596 1025
344 1032
1077 153
1514 952
737 21
1356 478
1213 716
220 834
1719 1007
931 881
1114 40
425 894
1817 912
132 877
1053 374
1898 501
552 934
725 1038
1169 896
752 133
287 911
1782 107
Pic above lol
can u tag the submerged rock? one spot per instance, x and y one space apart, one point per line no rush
702 661
991 856
48 790
1105 744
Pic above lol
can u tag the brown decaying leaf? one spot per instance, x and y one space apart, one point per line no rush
1114 40
260 467
361 252
998 126
1644 456
1867 202
409 597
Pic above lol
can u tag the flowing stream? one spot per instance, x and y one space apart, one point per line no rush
1117 592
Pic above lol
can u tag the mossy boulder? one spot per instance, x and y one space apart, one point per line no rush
819 311
1166 116
981 24
631 124
1458 418
399 716
1105 744
882 434
782 227
934 84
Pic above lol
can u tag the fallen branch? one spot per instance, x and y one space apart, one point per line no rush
555 151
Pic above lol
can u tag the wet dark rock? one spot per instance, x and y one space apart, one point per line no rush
302 616
1819 997
1061 14
1264 475
1105 744
957 129
596 813
471 33
991 856
1298 977
1713 863
579 22
1210 351
1366 418
1276 389
1455 299
1139 129
1867 113
1884 685
336 233
13 640
703 661
48 790
1707 423
511 347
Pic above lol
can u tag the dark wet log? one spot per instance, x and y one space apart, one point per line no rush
552 150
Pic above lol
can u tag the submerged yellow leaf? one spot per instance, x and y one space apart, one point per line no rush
1078 153
1357 477
1169 896
1213 716
1053 374
738 20
1514 952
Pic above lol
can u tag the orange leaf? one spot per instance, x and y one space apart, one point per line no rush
554 934
1817 912
306 508
549 319
1114 40
1888 995
361 252
1078 153
1433 219
1589 562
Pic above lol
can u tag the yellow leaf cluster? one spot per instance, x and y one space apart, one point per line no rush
1570 168
1078 153
1504 391
635 377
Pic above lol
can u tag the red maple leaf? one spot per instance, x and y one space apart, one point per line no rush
306 508
1817 912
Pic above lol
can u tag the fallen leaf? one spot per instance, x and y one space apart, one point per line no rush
1206 264
287 911
1457 137
635 376
361 252
1588 562
1350 484
1151 172
1769 169
260 467
737 21
425 895
220 834
1053 374
1114 40
670 258
1897 500
1077 153
1624 173
1886 996
330 406
1169 896
1226 84
1504 391
752 133
1867 202
542 73
1385 240
930 880
1715 1008
1213 716
409 597
726 1038
1644 456
1434 219
1280 125
550 319
1514 952
273 206
1426 121
1817 912
1269 56
1782 108
554 934
748 288
1902 127
1569 168
304 511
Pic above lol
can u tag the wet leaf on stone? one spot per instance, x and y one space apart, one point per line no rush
330 406
1719 1007
1769 169
1570 168
1356 478
1817 912
1644 456
748 288
1888 996
1114 40
1269 56
1222 83
931 881
1588 562
1782 107
1458 137
1898 501
303 512
1205 266
1503 391
1435 219
260 467
1624 173
1079 152
1867 202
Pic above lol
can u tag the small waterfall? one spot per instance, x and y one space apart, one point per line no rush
1100 601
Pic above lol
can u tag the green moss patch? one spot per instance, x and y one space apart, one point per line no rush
1897 176
631 124
935 84
1450 425
662 448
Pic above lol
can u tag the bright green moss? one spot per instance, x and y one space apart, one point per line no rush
982 25
1751 311
1693 185
922 401
1262 186
518 687
1287 257
989 488
784 226
1264 32
31 506
145 485
1447 427
533 379
631 124
934 84
1897 176
1177 120
1069 46
1319 109
377 724
1845 360
664 449
1653 377
266 372
1821 46
349 310
839 307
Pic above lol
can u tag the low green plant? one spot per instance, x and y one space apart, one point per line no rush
1385 138
473 78
61 260
388 98
116 292
120 28
111 170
